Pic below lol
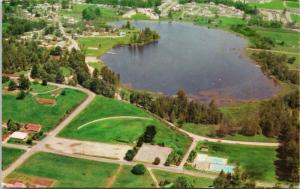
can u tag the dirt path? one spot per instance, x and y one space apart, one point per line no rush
153 177
112 179
46 92
276 51
115 117
187 154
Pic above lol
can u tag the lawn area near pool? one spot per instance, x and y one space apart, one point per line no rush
65 171
29 110
120 130
198 182
257 161
207 130
38 88
126 179
9 155
103 44
274 4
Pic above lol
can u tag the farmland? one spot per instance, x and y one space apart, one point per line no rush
18 109
120 130
65 171
9 155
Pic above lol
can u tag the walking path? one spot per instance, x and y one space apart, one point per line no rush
114 117
112 179
153 177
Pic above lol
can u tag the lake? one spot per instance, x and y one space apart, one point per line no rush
206 63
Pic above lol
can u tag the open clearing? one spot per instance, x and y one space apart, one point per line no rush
143 154
274 4
118 130
47 116
112 151
66 171
255 160
9 155
38 88
292 4
127 179
197 182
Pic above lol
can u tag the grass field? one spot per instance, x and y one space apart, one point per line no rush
140 16
292 4
291 39
38 88
102 44
295 17
107 14
47 116
206 130
197 182
9 155
257 161
67 171
274 4
126 179
116 131
98 65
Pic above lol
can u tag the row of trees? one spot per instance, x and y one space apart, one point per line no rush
178 108
128 3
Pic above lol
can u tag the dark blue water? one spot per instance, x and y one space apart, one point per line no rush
204 62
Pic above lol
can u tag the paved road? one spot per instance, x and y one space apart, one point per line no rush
55 131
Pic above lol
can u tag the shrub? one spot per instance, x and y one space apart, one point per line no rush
138 169
5 79
63 93
21 95
156 161
12 85
44 82
129 155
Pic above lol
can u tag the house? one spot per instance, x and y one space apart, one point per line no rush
122 33
33 127
19 135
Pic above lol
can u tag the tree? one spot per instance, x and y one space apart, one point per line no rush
129 155
13 126
149 133
34 71
156 161
12 85
60 78
5 79
236 180
96 73
183 182
24 83
65 4
21 95
44 82
138 169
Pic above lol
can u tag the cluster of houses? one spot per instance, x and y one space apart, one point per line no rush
146 11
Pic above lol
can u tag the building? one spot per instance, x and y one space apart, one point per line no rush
33 127
19 135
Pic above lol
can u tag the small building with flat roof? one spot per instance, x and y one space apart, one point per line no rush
19 135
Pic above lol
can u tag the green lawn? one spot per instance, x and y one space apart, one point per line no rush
9 155
28 110
291 39
66 71
274 4
206 130
102 44
295 17
98 65
198 182
120 131
108 14
292 4
67 171
256 160
38 88
140 16
126 179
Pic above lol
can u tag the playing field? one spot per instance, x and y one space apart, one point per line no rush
274 4
126 179
257 161
292 4
65 171
198 182
29 110
38 88
9 155
120 129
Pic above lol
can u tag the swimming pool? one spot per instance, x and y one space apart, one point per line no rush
216 160
218 168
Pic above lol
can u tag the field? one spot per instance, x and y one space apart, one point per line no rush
292 4
126 179
98 65
120 130
76 12
66 171
239 111
206 130
140 16
290 39
197 182
9 155
295 18
38 88
255 160
274 4
47 116
103 44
